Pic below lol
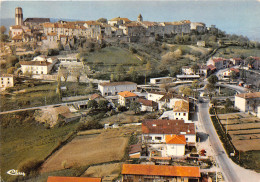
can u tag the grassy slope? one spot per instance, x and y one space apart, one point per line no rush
28 141
234 51
113 55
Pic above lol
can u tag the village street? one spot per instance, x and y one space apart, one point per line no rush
231 171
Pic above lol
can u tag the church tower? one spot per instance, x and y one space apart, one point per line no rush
18 16
140 18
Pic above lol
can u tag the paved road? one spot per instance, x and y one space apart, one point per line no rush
220 154
231 171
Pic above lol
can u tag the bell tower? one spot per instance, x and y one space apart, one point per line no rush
18 16
140 18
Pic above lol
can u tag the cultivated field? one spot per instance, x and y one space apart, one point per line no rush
85 150
243 129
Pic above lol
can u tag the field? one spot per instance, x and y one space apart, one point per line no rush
85 150
108 172
112 56
24 139
235 51
38 94
243 129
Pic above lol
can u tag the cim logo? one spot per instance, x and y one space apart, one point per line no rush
15 172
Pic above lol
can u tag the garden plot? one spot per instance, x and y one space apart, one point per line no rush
85 150
244 130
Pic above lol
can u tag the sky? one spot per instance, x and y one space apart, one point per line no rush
232 16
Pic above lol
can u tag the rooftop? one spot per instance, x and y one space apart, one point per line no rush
72 179
127 94
135 148
35 63
249 95
147 102
175 139
181 106
161 170
116 83
161 126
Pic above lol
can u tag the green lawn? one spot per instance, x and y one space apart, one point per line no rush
22 139
112 55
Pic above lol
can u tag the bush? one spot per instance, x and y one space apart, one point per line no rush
122 108
89 125
30 166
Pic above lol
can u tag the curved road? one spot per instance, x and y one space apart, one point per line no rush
231 171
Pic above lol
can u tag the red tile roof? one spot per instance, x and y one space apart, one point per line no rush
154 170
211 67
127 94
94 96
72 179
235 70
135 148
147 102
175 139
160 126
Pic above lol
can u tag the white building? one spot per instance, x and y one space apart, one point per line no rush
148 105
161 80
125 98
168 137
181 110
113 88
39 65
247 101
202 70
155 131
7 80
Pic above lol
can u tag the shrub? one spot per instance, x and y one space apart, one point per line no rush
30 166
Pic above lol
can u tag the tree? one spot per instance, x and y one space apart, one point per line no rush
102 104
233 75
133 74
193 39
177 39
120 71
2 29
11 60
64 72
212 79
102 20
186 38
76 72
185 90
10 70
135 106
195 68
92 104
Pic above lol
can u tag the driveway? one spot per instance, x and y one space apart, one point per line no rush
231 171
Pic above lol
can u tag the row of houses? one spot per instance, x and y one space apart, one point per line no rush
220 63
41 29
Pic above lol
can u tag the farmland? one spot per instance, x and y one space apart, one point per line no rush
243 129
109 145
23 139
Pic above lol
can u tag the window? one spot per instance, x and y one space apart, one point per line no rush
158 138
176 118
179 114
184 114
186 139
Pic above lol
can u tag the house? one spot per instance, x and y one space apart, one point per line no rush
201 43
165 100
219 62
118 21
181 110
72 179
256 63
247 101
236 61
135 151
39 65
198 26
188 77
148 105
125 98
155 131
164 173
113 88
229 72
7 80
35 23
161 80
69 116
96 97
202 70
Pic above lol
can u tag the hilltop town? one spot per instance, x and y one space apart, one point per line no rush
121 100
